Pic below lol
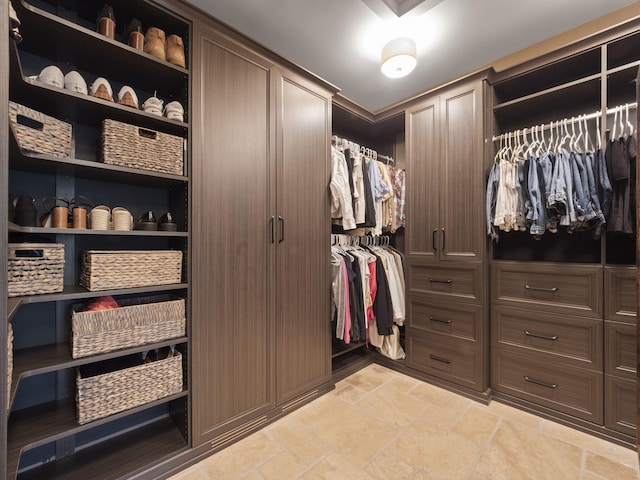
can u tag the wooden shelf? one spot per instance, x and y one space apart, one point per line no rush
564 101
66 104
115 56
75 292
115 457
50 358
35 162
77 231
340 348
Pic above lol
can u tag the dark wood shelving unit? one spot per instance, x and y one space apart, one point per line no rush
341 348
118 55
50 358
69 104
113 458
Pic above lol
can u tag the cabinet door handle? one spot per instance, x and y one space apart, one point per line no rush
444 237
440 321
539 382
438 280
540 289
433 239
546 337
439 359
281 221
272 225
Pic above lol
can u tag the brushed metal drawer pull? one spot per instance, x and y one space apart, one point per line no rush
440 321
538 382
529 334
437 280
433 239
540 289
439 359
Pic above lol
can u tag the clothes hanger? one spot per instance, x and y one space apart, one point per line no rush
629 124
598 134
615 123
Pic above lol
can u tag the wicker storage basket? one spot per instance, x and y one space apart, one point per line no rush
35 268
135 147
137 322
39 133
115 269
103 395
9 363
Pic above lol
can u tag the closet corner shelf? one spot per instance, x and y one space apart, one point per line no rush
76 292
340 349
46 423
548 91
71 33
87 231
51 358
42 163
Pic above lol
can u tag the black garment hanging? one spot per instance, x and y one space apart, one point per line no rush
370 209
382 307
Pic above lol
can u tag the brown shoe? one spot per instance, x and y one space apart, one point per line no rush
154 43
175 50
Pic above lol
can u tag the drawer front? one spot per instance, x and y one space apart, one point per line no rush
621 405
447 281
621 357
571 390
445 316
453 359
568 339
575 289
620 294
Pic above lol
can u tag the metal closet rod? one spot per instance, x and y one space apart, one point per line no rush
582 118
363 150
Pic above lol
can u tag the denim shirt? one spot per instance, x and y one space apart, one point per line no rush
490 203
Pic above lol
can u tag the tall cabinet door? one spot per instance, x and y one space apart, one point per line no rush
461 193
423 223
233 325
303 350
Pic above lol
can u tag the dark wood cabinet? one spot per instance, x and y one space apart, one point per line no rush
233 276
444 135
303 348
260 238
445 244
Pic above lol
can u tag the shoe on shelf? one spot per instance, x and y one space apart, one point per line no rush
26 212
101 88
167 223
51 75
146 221
74 82
155 43
174 111
106 23
134 35
153 105
14 24
127 96
175 50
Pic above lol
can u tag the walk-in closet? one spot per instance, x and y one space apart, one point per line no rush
240 248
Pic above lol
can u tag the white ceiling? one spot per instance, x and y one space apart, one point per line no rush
340 40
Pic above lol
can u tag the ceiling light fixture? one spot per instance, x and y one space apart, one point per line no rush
399 57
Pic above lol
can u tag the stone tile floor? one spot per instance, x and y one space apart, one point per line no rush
382 425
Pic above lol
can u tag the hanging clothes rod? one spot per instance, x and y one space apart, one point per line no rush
581 118
338 141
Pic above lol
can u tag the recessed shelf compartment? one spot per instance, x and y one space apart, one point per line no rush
71 106
13 228
564 101
624 50
118 456
553 75
79 30
49 358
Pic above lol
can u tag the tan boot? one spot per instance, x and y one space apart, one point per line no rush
154 43
175 50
